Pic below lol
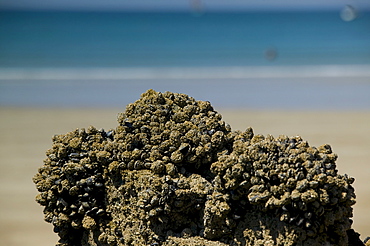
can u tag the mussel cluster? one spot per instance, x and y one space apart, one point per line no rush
290 181
174 173
71 183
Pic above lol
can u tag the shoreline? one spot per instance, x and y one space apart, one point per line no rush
320 93
26 135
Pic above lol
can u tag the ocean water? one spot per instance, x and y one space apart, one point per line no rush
70 39
307 60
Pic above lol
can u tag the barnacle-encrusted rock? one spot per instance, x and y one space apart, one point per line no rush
173 173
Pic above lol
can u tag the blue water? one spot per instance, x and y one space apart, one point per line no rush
268 60
70 39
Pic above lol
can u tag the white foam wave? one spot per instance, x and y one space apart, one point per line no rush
325 71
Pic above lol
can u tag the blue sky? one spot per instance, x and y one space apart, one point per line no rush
181 4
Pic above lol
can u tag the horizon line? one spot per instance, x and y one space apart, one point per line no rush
189 9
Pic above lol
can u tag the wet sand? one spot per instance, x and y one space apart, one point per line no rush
26 135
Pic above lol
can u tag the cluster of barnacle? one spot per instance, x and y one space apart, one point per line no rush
171 128
288 177
175 137
71 183
173 168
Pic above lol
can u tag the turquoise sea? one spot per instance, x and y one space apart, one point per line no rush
257 60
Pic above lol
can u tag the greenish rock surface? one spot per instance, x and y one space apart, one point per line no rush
173 173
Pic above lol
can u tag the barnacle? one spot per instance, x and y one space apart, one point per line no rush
173 173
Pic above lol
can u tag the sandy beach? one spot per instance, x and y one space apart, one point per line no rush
26 135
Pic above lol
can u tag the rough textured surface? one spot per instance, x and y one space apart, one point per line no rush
173 173
367 241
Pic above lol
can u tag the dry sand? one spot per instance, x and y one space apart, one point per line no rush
25 135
